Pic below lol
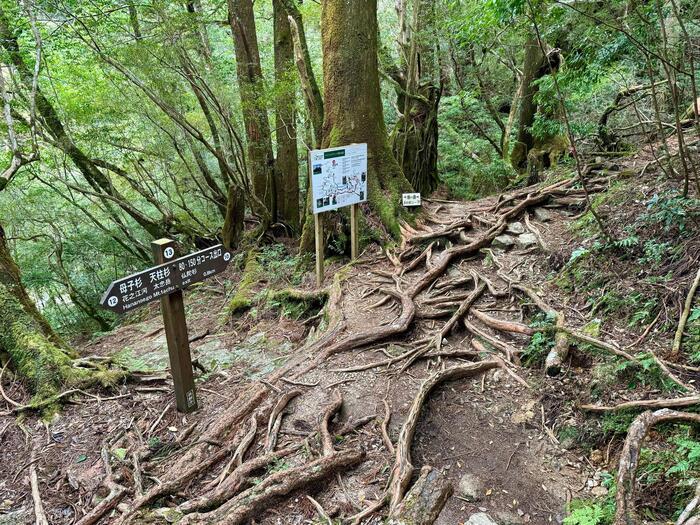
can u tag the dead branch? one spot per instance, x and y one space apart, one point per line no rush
39 513
645 403
629 458
676 348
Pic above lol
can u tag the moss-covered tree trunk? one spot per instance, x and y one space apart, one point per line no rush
353 106
415 140
287 161
35 351
528 105
251 84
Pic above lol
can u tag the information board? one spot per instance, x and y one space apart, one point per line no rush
411 199
338 177
141 288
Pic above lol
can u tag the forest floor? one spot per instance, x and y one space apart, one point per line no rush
507 440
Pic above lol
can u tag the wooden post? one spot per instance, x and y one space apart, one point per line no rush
173 309
354 241
318 231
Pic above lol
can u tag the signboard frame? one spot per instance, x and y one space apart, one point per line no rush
315 162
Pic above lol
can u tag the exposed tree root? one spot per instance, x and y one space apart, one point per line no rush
646 404
116 493
253 501
424 501
275 421
629 458
332 409
403 468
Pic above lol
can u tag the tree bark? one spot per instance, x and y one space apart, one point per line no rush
415 139
307 77
251 85
353 106
287 162
528 106
235 214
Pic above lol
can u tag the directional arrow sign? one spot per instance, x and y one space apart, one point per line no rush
141 288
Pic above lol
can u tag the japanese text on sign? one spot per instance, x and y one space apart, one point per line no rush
338 177
144 287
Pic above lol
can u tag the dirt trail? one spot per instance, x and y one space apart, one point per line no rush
491 427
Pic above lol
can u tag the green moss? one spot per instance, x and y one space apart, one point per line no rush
243 298
45 368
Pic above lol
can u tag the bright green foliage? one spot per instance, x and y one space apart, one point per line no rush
541 342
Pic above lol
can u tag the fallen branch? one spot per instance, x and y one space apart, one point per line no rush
676 348
39 513
645 403
629 458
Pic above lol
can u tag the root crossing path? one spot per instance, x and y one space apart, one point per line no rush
410 401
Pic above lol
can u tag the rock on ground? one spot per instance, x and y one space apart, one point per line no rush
480 518
471 487
526 240
516 228
503 241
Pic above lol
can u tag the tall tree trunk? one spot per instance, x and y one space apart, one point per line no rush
250 81
415 140
302 57
287 162
353 106
11 280
528 106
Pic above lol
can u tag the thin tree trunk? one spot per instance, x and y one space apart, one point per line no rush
309 85
287 162
251 84
528 106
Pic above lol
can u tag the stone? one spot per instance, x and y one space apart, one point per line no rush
471 487
503 241
23 516
526 240
480 518
509 518
543 215
599 491
515 228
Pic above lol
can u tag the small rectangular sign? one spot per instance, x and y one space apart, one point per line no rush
338 177
144 287
411 199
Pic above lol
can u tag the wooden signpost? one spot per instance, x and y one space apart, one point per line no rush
166 282
338 179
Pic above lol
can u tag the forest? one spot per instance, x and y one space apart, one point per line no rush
517 341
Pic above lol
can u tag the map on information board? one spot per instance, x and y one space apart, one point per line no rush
338 177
